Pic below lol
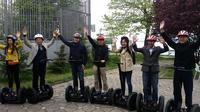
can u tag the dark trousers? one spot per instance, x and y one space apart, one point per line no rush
13 72
39 71
126 77
184 78
150 81
78 72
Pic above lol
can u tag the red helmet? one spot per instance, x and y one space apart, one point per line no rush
151 38
100 37
183 33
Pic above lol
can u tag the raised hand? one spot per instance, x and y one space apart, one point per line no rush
162 25
55 34
161 40
135 39
24 31
85 31
18 34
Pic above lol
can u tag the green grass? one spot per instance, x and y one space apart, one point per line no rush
166 73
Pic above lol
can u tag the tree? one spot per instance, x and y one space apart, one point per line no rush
59 65
129 16
179 15
69 3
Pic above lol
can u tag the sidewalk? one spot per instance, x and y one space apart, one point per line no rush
58 103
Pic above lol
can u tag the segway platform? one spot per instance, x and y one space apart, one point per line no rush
149 107
170 107
34 97
75 95
128 102
100 97
7 96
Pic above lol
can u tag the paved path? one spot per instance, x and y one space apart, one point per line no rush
58 103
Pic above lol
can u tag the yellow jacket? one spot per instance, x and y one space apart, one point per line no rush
15 56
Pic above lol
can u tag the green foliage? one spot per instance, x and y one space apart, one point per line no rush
2 65
69 3
128 16
59 65
23 57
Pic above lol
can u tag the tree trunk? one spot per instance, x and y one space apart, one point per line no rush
113 43
146 35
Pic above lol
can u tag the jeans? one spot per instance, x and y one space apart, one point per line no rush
13 72
126 76
184 78
150 81
78 72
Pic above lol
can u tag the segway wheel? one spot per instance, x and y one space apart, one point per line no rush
92 91
139 101
169 105
4 91
131 104
49 90
115 95
22 95
32 96
110 96
195 108
0 96
86 93
68 91
161 103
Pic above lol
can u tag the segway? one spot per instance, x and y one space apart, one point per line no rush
43 94
72 94
7 96
128 102
100 97
170 107
149 106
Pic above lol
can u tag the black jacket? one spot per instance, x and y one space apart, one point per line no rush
78 52
151 62
184 53
100 52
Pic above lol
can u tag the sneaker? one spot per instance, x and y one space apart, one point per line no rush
123 97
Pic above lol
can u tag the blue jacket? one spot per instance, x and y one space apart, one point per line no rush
78 52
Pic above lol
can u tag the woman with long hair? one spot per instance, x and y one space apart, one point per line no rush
12 57
127 60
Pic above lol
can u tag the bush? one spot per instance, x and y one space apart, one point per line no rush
59 65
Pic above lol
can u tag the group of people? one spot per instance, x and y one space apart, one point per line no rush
183 63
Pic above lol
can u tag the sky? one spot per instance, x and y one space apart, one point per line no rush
98 9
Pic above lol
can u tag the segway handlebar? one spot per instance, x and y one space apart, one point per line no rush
74 60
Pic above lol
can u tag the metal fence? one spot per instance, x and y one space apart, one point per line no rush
43 16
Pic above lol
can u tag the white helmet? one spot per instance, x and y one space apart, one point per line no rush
38 36
77 35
